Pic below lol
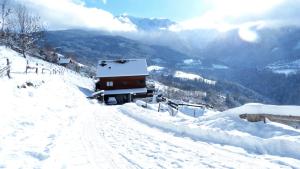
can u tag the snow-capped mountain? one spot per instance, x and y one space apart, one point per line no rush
147 24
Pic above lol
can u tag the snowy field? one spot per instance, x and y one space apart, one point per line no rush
47 122
287 68
191 76
154 68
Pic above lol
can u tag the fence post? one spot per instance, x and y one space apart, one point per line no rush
36 70
102 98
130 97
158 107
8 68
27 66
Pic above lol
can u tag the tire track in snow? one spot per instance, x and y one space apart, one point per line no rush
100 154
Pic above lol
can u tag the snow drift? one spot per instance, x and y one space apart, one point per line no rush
226 128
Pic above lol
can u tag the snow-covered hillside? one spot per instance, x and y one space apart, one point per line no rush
154 68
191 76
47 122
286 68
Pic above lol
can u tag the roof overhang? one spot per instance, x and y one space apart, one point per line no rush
125 91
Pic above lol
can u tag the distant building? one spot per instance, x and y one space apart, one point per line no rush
122 79
62 60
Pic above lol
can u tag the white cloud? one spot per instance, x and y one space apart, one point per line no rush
245 15
232 14
72 14
236 9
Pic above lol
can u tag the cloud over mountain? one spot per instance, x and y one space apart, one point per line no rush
232 14
73 14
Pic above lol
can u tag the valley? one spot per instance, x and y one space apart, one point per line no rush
248 72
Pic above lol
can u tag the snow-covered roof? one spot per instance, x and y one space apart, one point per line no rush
63 60
60 55
122 67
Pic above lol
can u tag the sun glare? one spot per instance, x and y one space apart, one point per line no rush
248 35
237 8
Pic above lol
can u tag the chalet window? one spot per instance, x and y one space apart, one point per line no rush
110 83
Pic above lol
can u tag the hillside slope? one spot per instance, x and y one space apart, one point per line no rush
47 122
90 46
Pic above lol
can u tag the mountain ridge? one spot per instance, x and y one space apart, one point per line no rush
146 24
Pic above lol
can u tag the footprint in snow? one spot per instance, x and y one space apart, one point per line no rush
25 123
37 155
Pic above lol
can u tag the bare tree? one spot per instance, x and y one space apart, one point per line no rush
5 12
28 29
48 52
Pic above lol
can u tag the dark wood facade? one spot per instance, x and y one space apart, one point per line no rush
114 83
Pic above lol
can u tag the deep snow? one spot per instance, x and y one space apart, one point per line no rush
226 128
52 125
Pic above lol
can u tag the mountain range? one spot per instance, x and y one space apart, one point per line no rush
259 66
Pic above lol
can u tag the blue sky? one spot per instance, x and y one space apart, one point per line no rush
176 10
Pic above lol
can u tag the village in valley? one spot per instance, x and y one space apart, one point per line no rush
136 105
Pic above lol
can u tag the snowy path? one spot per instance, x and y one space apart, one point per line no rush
146 147
100 153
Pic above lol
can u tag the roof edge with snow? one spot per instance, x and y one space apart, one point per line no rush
122 68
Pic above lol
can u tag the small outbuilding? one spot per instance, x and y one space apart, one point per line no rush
62 60
122 80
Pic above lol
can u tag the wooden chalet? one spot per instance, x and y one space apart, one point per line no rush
122 79
62 60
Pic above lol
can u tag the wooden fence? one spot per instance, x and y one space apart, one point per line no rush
173 106
176 105
6 69
39 68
